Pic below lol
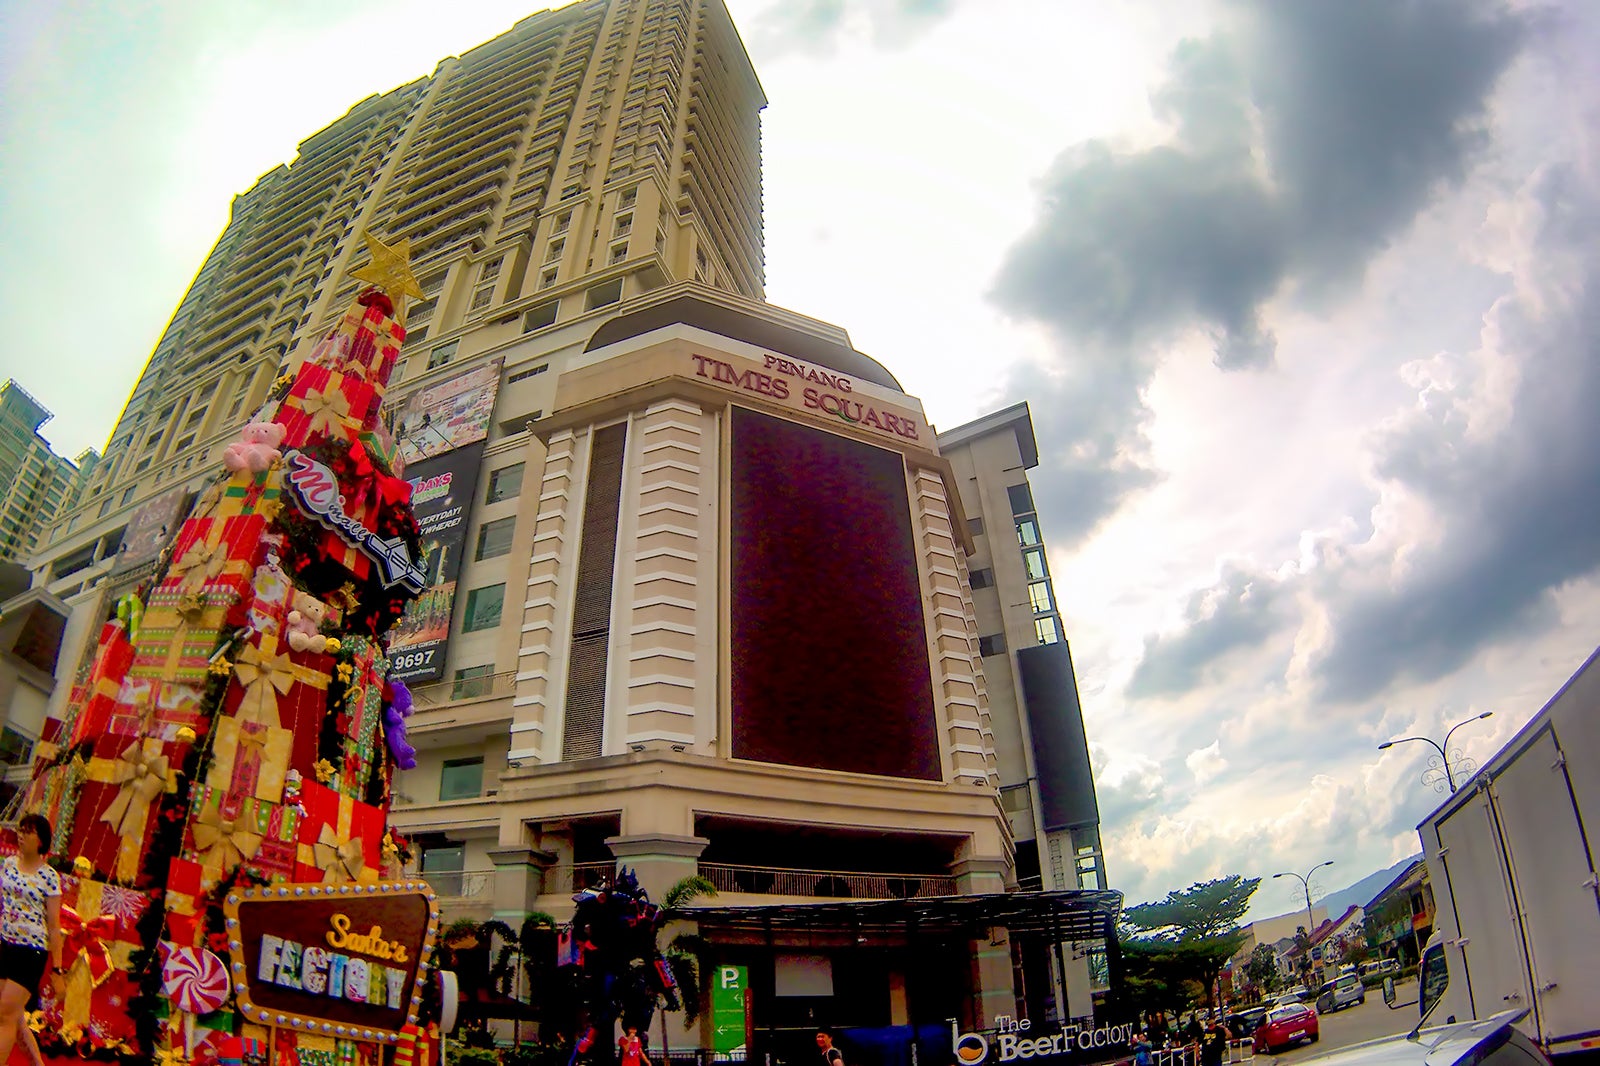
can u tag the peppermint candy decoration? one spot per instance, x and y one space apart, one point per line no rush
195 980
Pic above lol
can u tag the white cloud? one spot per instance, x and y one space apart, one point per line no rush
1206 763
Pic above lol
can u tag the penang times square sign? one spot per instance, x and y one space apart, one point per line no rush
1011 1041
341 960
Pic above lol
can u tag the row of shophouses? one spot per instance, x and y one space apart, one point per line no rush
1394 924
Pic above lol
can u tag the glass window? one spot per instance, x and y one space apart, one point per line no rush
483 608
504 483
442 354
461 779
472 682
494 538
445 858
975 526
1021 498
992 645
1039 596
1028 532
602 295
982 578
540 317
1033 563
1047 629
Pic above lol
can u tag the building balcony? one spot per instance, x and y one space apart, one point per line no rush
826 884
462 886
487 686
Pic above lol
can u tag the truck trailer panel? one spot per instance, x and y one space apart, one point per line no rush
1513 863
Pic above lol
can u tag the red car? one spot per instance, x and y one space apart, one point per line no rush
1286 1027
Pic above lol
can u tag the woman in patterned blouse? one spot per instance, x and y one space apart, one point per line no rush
30 932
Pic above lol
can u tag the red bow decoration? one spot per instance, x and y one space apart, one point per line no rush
374 298
84 942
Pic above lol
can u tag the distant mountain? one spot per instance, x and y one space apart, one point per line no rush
1361 893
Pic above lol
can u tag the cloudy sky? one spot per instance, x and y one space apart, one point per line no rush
1303 296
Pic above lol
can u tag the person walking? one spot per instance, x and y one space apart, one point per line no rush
30 933
831 1056
1214 1042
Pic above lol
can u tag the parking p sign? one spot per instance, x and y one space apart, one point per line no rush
730 997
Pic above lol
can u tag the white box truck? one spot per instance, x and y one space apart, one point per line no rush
1512 858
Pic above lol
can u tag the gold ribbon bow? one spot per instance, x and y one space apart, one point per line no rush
338 862
142 773
265 677
205 559
224 842
327 410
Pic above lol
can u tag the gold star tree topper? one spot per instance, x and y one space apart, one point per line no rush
390 271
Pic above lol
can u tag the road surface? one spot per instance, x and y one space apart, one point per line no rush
1354 1024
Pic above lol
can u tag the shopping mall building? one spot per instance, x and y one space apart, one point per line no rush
710 594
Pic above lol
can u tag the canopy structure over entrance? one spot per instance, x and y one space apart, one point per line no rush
1083 915
1034 934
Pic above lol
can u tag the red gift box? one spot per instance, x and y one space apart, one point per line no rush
213 551
273 688
364 345
324 403
186 901
93 706
120 802
341 839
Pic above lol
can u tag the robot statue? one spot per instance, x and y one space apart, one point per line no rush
620 971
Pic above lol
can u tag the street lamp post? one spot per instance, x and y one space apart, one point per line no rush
1305 883
1443 750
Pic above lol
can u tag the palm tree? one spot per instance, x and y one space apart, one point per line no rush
687 954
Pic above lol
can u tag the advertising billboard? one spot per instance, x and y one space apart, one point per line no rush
441 495
451 414
150 529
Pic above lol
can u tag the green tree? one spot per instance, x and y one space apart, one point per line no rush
688 954
1262 968
1303 963
1197 927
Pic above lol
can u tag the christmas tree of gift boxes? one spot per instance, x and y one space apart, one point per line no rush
230 733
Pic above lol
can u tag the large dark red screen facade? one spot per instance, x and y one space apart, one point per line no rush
829 656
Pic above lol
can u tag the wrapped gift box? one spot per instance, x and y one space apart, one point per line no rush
126 781
341 839
224 833
365 344
180 632
381 445
364 704
324 403
273 687
217 551
90 708
54 793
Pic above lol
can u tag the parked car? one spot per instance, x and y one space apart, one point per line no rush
1243 1024
1343 991
1285 1027
1492 1042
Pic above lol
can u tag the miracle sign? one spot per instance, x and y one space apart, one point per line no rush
341 960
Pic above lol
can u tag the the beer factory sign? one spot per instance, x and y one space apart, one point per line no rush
342 960
1015 1039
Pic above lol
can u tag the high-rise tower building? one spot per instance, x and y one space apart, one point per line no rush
703 593
34 480
592 153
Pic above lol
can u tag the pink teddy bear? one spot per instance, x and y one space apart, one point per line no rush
256 449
